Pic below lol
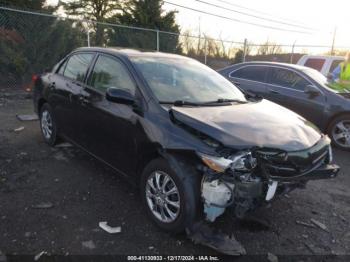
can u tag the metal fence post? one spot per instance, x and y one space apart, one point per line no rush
158 40
205 51
292 54
88 37
245 49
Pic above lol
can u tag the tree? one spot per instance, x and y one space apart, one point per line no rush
147 14
26 4
269 48
96 10
30 43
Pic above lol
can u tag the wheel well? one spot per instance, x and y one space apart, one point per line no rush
334 117
41 102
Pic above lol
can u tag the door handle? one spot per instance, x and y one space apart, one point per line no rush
236 83
274 91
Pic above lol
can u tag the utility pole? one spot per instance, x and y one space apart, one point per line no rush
333 42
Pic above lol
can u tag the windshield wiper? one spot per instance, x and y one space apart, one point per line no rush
181 103
225 100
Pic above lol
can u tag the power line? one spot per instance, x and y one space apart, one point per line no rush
255 16
254 10
238 20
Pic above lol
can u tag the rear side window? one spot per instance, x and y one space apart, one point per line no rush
287 78
109 72
315 63
77 66
254 73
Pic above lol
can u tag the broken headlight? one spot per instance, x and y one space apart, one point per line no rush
218 164
243 161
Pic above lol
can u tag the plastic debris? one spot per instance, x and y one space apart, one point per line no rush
319 224
44 205
109 229
272 257
27 117
88 244
201 233
38 256
19 129
304 224
64 145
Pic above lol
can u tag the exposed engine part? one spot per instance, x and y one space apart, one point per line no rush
217 196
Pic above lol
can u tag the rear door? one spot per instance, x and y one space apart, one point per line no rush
66 85
287 88
108 129
250 78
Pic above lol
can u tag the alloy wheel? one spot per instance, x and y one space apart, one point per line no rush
46 124
341 133
163 197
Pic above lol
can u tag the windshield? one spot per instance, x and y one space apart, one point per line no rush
181 79
319 78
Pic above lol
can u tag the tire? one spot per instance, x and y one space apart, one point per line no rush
187 185
339 132
48 125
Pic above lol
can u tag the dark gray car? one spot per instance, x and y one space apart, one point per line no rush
301 89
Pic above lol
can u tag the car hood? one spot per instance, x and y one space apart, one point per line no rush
254 124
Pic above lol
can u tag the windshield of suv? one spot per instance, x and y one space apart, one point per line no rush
181 79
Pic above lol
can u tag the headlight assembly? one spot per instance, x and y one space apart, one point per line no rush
242 161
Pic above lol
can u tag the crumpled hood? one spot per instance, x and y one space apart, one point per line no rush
262 124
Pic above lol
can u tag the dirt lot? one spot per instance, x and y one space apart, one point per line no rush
52 199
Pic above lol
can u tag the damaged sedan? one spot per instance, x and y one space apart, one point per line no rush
193 142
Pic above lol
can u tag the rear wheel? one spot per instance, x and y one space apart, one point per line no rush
48 125
339 132
170 197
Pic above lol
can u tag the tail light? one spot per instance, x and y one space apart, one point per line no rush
34 78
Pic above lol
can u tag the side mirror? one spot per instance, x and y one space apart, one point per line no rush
121 96
312 90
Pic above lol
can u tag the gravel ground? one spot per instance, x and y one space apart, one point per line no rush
52 199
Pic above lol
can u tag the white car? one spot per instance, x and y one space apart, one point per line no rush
324 64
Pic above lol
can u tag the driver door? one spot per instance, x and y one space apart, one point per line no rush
108 129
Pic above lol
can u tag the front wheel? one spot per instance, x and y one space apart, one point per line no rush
48 125
339 132
169 197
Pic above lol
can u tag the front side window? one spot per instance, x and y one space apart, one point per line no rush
315 63
182 79
77 66
109 72
334 65
287 78
254 73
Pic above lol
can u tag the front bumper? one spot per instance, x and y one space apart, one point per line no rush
325 171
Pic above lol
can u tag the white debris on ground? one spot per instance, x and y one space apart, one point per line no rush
19 129
38 256
64 145
27 117
109 229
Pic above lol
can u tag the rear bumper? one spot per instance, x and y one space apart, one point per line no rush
325 171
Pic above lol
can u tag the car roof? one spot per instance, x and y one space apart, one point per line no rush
286 65
127 52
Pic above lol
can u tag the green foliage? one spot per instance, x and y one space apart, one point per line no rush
147 14
31 43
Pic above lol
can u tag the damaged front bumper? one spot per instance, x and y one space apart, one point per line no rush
249 179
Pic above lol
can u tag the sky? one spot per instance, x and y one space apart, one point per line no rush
322 17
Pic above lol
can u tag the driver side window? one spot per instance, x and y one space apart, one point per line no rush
109 72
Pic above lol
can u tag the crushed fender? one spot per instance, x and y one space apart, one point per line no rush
201 233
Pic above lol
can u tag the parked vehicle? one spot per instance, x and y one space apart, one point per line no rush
321 63
301 89
179 130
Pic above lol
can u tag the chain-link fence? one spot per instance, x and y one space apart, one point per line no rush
31 42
